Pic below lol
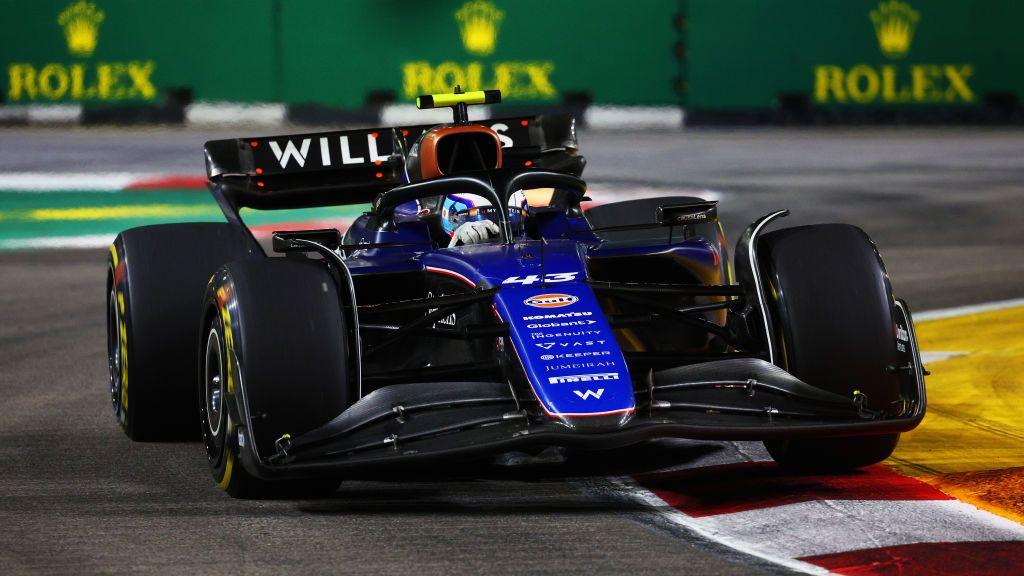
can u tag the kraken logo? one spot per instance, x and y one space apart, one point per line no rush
81 23
894 23
478 22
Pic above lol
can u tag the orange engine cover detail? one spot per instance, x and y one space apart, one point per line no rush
429 145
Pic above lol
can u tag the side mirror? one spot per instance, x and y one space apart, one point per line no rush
291 241
685 214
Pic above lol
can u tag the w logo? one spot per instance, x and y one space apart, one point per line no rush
586 395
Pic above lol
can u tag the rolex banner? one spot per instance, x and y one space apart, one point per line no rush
102 52
704 54
335 53
848 54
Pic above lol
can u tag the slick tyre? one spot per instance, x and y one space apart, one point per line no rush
155 281
274 351
832 305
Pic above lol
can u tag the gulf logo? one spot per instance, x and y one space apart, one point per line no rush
551 300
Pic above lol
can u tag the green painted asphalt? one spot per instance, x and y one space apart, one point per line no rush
36 215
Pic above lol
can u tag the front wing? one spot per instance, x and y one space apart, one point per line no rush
736 399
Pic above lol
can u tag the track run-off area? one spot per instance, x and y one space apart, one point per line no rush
78 497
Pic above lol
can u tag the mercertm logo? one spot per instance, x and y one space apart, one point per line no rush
551 300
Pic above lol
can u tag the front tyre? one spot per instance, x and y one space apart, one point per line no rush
273 348
221 436
832 305
832 454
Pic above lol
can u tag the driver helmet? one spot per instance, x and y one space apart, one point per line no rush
457 209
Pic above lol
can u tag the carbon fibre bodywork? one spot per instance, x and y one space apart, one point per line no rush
558 333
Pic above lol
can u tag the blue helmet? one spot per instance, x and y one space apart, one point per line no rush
457 209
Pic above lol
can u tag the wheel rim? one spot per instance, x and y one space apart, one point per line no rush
114 351
213 385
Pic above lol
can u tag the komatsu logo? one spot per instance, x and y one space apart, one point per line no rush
557 316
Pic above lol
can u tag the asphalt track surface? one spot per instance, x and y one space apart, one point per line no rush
945 207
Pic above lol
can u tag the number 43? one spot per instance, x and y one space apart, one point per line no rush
548 278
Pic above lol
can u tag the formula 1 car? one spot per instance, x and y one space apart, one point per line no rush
575 328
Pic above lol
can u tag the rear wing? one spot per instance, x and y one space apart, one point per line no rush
353 166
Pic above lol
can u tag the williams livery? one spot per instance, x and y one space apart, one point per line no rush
440 329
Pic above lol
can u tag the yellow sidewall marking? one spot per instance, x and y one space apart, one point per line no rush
228 468
124 353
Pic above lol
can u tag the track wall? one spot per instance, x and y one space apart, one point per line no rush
717 58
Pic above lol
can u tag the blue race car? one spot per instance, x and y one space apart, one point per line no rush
477 310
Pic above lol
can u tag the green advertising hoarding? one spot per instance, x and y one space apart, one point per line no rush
334 52
533 50
117 51
703 54
746 54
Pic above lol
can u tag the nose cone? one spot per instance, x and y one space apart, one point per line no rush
568 350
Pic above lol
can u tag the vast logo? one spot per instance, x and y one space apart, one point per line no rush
479 22
551 300
895 24
81 81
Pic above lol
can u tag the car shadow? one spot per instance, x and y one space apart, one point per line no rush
577 485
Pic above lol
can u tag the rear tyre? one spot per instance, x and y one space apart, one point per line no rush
155 281
833 309
273 362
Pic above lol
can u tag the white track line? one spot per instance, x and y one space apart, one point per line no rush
232 114
967 310
55 114
667 512
410 115
634 117
821 527
71 181
84 241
